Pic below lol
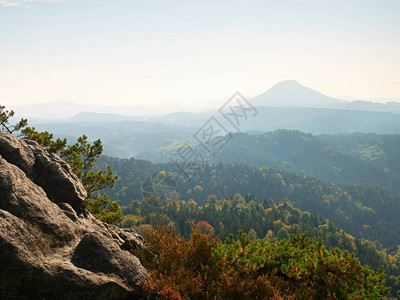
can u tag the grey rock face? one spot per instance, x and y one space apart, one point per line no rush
48 248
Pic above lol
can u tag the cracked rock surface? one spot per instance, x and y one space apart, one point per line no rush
50 247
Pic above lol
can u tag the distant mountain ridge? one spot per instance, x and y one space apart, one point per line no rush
64 110
128 134
289 93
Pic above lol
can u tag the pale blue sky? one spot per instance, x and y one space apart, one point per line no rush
193 54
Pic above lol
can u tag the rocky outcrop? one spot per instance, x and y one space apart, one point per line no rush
50 247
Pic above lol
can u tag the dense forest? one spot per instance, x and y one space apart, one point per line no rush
352 158
360 218
366 211
259 219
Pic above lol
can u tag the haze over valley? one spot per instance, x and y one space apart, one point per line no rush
286 105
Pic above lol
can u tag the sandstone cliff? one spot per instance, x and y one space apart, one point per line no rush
50 246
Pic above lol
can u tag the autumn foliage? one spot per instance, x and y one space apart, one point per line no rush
202 267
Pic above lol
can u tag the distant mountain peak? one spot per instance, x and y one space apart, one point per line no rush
293 93
288 83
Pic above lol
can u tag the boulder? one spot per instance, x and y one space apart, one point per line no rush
49 249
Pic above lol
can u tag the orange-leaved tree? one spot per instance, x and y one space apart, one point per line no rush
202 267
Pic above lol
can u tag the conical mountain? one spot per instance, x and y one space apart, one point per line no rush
292 93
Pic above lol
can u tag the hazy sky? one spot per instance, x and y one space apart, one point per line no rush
195 53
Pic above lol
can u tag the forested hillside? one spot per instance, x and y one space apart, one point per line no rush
363 210
382 149
259 218
360 218
355 158
340 188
